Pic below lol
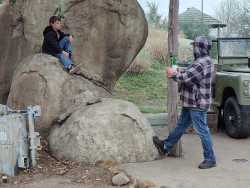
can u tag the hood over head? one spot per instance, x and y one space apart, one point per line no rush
202 46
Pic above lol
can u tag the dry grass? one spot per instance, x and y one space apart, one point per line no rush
185 51
156 46
156 49
140 65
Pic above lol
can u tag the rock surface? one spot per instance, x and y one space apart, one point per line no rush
109 129
120 179
117 170
40 79
108 35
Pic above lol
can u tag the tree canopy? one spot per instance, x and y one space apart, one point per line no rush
236 14
193 28
154 18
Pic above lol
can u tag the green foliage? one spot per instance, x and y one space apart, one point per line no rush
193 28
150 83
132 100
12 2
155 20
59 12
151 110
155 111
158 65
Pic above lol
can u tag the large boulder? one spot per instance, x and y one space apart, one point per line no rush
109 129
40 79
108 35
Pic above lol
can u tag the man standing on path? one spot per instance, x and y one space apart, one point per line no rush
195 99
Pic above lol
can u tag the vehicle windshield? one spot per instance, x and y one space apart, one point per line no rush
235 47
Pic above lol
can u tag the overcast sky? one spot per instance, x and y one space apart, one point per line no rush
184 4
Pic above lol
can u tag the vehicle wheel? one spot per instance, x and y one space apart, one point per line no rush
236 128
213 91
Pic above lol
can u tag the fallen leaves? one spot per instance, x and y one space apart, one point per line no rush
48 167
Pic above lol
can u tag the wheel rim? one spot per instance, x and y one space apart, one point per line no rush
232 117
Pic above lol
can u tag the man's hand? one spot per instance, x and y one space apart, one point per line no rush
70 39
65 53
178 69
170 71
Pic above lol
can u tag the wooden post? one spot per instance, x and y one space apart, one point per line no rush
172 102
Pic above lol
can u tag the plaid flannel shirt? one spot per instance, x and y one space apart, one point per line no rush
196 80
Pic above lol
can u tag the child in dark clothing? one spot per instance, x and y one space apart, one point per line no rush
58 44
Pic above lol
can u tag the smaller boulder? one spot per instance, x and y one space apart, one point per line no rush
120 179
109 128
146 184
105 163
117 170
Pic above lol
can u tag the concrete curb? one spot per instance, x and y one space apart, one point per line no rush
157 119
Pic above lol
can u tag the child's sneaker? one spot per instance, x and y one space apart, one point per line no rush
73 68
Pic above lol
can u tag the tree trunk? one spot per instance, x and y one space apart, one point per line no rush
172 102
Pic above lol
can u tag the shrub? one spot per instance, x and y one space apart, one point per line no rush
185 51
140 65
156 46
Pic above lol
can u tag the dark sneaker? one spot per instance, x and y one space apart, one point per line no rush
207 164
73 68
159 145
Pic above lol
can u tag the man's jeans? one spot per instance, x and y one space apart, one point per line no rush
198 119
66 46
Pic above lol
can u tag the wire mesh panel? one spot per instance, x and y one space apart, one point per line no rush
235 47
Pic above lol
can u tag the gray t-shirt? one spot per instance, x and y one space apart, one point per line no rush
58 36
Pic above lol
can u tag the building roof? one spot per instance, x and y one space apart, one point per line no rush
195 14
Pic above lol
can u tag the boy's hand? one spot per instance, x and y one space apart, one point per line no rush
65 53
178 69
70 39
169 71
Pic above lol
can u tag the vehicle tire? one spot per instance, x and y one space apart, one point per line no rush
235 125
213 91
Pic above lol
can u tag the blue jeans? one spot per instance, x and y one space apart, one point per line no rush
66 46
198 119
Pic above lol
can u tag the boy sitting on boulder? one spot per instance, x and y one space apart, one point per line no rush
58 44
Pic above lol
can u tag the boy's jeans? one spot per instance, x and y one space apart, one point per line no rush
198 119
66 46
